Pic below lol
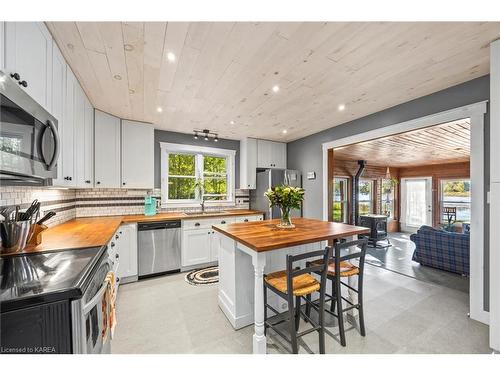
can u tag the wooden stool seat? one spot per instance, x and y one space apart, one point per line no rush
346 268
302 284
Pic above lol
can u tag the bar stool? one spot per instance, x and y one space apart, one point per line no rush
339 266
295 283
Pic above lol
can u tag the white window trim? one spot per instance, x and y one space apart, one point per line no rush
167 148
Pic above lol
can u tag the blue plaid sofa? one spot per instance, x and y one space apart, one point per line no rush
443 250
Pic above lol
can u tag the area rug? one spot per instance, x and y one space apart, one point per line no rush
204 276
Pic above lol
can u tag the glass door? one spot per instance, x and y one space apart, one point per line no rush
416 203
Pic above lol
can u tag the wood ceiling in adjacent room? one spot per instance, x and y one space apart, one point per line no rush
223 73
444 143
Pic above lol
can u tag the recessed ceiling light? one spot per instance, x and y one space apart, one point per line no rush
276 88
341 107
284 131
128 47
70 46
231 122
117 77
159 109
171 56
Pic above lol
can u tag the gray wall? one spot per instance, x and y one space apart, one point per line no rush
305 154
187 139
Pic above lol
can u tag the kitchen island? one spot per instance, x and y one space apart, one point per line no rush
248 250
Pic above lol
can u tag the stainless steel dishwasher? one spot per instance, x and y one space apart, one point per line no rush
159 247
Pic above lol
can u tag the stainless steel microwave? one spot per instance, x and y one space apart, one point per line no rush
29 139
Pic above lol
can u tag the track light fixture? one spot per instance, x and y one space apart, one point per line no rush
207 134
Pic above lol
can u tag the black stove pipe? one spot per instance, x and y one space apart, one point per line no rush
355 192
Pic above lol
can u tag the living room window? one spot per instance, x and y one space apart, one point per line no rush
365 197
387 197
340 200
456 194
184 167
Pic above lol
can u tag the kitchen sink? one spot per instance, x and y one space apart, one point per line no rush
206 213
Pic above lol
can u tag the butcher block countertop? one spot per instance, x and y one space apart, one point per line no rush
97 231
265 236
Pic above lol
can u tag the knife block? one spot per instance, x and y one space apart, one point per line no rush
36 237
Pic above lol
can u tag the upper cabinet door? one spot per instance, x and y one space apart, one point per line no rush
278 155
89 143
264 154
2 45
58 103
28 52
137 155
68 134
271 154
107 150
79 120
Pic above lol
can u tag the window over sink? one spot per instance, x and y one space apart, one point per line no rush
185 168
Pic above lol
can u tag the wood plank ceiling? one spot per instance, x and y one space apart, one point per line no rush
223 73
444 143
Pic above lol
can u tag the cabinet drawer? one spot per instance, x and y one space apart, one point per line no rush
245 219
206 223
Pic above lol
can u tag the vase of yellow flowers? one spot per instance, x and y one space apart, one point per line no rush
285 197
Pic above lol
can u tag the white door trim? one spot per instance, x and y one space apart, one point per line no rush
475 112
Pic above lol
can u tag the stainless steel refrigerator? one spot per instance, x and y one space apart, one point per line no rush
267 178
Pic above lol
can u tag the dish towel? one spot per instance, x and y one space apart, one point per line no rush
109 302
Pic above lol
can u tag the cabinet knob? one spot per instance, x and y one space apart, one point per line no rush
117 279
123 183
120 232
116 237
117 256
16 76
196 224
112 244
98 182
87 181
223 222
23 83
71 178
246 220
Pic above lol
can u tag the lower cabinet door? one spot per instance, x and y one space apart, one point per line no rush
196 248
127 250
214 247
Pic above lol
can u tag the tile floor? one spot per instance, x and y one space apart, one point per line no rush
403 315
398 258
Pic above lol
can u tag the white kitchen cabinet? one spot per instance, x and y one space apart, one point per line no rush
68 177
271 154
84 141
196 247
79 124
106 150
248 163
28 52
278 155
126 245
89 143
137 155
2 45
200 242
58 106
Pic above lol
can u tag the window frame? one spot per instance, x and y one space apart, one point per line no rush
199 152
443 181
345 202
392 199
372 195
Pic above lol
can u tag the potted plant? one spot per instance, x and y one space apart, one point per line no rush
285 197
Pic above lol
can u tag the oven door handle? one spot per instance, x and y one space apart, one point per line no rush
95 300
57 145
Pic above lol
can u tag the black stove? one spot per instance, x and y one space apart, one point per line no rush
32 279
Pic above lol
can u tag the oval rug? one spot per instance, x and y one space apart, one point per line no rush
204 276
